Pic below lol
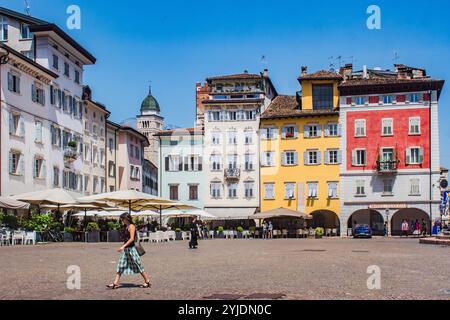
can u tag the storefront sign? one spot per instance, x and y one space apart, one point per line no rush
389 206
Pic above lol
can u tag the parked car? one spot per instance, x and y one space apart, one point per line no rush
362 231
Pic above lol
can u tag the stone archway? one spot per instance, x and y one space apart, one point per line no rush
370 217
410 215
326 219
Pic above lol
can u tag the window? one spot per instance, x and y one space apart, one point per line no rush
95 185
312 131
215 190
232 138
86 183
216 162
55 62
56 136
216 138
332 130
249 187
87 153
193 192
13 82
313 191
214 116
289 158
388 186
111 144
16 125
333 156
39 171
268 159
249 114
136 152
16 163
290 132
102 158
232 115
232 190
333 190
360 188
112 169
66 69
38 138
387 127
414 126
56 177
249 162
312 157
77 76
269 191
322 96
387 99
360 128
248 137
25 31
359 157
414 156
37 94
173 163
102 185
359 101
413 98
95 155
289 190
269 133
414 187
28 54
3 28
173 190
232 161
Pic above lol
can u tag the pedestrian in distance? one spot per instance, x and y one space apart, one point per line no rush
193 243
270 230
265 227
405 228
129 260
424 228
386 229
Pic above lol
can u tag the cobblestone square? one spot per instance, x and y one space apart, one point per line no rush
236 269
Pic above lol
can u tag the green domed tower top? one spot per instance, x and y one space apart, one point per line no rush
150 104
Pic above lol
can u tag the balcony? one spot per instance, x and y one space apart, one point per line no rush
232 174
387 166
70 154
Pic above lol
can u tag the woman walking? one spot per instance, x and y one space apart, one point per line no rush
405 228
129 261
193 243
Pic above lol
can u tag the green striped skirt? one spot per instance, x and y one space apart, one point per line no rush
129 262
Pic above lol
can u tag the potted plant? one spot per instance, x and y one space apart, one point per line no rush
93 232
240 231
72 144
68 234
252 231
319 233
113 231
220 234
178 234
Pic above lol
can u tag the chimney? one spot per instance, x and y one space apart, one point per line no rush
365 72
304 70
346 70
266 73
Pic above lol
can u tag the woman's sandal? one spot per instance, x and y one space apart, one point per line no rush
113 286
146 285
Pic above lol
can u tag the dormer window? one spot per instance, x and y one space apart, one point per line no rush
66 69
25 32
322 96
3 28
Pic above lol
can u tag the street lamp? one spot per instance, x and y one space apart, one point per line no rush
387 222
4 58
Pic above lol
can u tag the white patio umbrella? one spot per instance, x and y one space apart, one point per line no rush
164 206
201 214
9 203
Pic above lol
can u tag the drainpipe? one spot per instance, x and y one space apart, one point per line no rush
159 178
3 60
115 159
430 159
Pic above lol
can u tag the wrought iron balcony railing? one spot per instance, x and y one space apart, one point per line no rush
387 166
232 173
70 153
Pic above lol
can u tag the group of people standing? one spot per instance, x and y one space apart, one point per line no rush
415 227
267 230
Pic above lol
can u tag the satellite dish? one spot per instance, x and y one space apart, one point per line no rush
444 184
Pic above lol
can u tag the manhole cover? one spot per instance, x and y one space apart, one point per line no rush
266 296
224 296
314 250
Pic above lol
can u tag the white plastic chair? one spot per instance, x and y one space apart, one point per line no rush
5 238
18 236
171 235
153 237
211 234
30 237
161 236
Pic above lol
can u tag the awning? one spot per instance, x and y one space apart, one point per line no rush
281 213
231 213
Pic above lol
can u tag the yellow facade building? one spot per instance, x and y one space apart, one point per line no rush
300 155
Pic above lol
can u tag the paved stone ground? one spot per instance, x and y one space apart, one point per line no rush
295 269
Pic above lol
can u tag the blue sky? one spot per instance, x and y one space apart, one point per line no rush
178 43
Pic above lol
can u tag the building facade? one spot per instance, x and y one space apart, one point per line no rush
232 115
42 87
201 94
390 132
300 152
182 170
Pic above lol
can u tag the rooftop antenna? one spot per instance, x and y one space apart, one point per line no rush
150 87
396 57
27 8
263 59
331 61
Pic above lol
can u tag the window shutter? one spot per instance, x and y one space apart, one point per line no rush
295 132
319 157
283 158
10 81
327 131
11 124
167 163
43 97
283 132
263 160
22 126
263 133
21 165
39 131
305 158
33 93
52 97
11 164
180 165
339 129
408 156
421 155
35 173
339 157
44 169
319 130
186 164
327 157
353 157
200 163
296 158
306 131
18 85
